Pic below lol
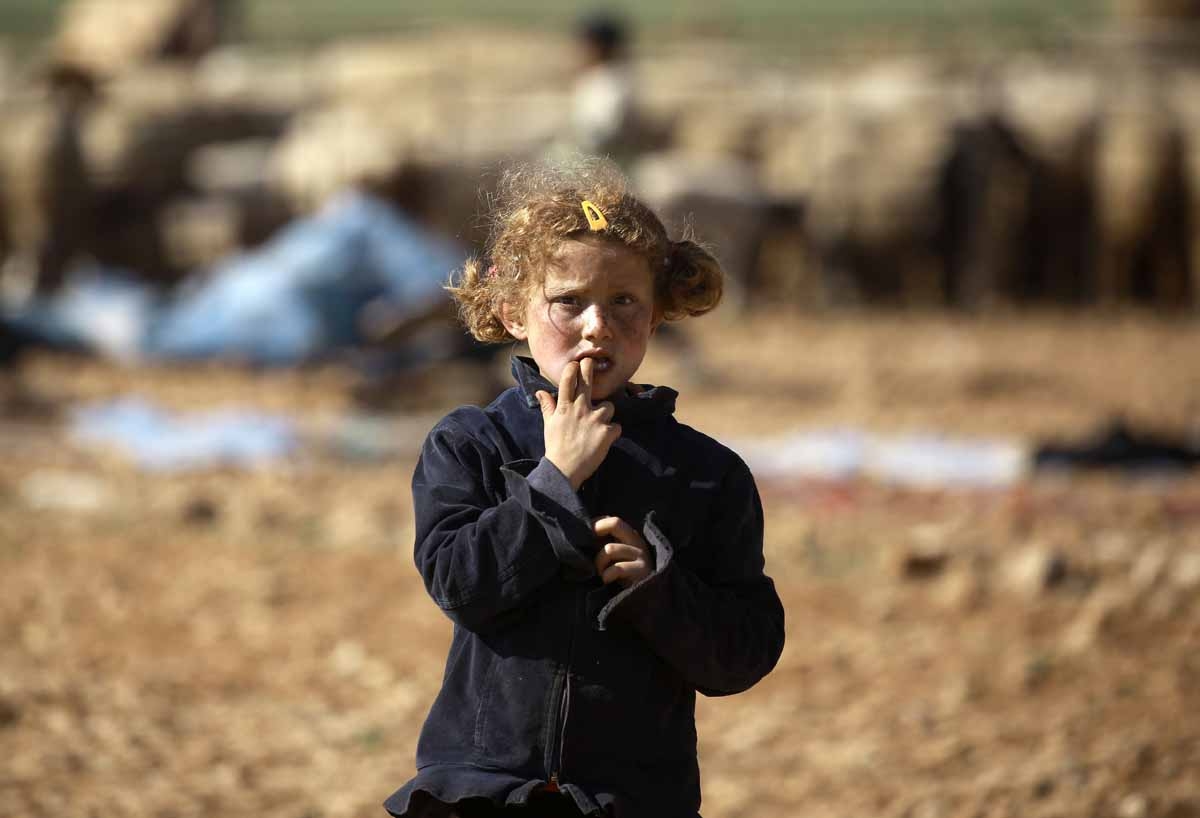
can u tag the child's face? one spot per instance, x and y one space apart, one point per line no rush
597 301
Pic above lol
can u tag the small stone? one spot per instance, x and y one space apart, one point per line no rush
200 511
962 591
1134 805
1183 808
1185 570
1149 569
351 526
10 714
1036 569
924 555
65 491
1145 758
348 658
1037 671
1096 618
961 691
923 563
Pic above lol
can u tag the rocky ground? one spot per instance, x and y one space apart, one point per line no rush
231 642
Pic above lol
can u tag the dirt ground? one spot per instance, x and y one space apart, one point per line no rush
249 642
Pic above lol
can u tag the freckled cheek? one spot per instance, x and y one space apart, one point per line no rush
635 321
557 327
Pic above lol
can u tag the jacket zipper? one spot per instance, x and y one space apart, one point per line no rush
588 494
563 709
564 706
564 714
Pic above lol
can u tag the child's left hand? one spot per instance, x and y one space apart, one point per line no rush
625 558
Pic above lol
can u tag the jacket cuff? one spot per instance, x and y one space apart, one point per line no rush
641 597
544 492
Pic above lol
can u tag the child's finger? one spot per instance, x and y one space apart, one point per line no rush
622 552
617 528
586 367
614 552
603 526
566 383
624 571
602 561
605 411
605 557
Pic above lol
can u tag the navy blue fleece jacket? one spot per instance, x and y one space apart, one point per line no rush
552 675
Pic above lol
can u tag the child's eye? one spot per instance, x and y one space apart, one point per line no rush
565 300
624 300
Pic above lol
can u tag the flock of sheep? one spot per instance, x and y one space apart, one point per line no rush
1072 177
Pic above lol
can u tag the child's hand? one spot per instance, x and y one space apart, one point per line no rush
578 434
627 560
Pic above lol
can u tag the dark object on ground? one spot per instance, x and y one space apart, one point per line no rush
14 341
1119 447
11 344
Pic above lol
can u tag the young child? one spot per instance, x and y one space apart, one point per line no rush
601 561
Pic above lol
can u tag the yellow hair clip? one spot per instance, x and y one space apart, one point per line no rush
596 220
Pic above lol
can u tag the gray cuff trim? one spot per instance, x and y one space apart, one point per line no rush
641 594
544 492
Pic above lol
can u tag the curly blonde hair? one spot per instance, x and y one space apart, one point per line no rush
539 206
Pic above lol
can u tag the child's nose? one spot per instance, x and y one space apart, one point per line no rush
596 323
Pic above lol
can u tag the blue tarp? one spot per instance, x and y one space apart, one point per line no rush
164 441
919 460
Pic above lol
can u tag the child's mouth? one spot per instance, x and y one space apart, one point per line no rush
600 363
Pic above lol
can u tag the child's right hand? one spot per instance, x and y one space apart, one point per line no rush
578 434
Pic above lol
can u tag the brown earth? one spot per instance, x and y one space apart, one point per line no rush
251 642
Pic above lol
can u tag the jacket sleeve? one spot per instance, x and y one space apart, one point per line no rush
721 635
489 534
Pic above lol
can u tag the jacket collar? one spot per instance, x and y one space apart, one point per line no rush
648 403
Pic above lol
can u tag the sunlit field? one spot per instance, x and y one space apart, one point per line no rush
804 24
228 642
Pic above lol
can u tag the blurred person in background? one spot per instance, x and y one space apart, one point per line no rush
63 194
603 115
